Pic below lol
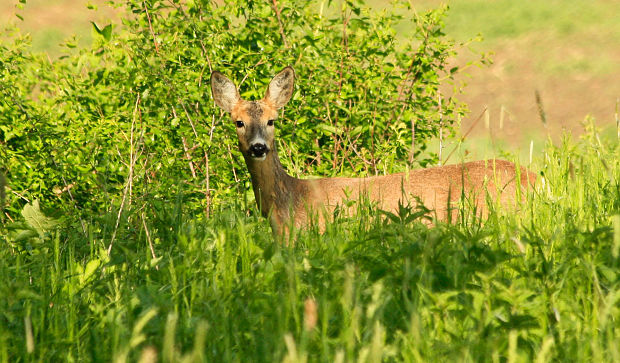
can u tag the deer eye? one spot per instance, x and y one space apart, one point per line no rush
239 124
270 123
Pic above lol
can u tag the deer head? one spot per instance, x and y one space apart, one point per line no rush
254 120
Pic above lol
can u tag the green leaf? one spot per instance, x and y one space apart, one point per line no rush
36 219
106 32
90 269
96 28
23 235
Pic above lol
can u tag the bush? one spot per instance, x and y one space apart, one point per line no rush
129 122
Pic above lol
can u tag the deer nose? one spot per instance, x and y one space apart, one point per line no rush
258 149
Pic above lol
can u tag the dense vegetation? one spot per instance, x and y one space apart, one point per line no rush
542 283
124 238
129 120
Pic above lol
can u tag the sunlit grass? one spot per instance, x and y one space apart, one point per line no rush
51 23
539 283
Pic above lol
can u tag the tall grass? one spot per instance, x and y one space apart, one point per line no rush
541 283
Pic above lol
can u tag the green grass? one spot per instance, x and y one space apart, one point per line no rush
542 283
538 284
488 145
52 23
504 19
562 36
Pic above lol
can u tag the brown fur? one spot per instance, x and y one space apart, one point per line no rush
285 199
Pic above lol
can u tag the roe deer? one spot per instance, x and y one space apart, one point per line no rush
285 199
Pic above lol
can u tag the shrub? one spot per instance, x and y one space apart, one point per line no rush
129 121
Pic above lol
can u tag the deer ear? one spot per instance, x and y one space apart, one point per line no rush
224 91
281 87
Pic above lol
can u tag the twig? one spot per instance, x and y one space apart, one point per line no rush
148 17
204 50
345 36
466 133
189 118
18 194
148 238
416 75
440 126
207 168
317 158
67 188
206 154
232 159
188 157
127 190
412 150
261 61
336 136
275 8
345 44
352 146
372 139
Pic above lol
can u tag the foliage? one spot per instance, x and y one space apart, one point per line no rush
121 124
124 147
541 284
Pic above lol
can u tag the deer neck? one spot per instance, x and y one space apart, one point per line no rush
274 189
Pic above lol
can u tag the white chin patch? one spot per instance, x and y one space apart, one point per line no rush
260 158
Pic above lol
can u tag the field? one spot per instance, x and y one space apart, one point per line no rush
127 237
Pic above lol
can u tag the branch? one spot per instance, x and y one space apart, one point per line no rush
148 17
275 8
